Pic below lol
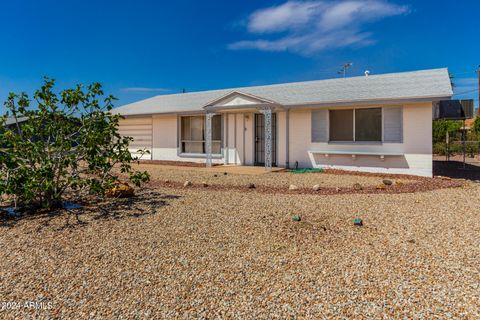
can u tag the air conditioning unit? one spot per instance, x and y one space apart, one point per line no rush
453 109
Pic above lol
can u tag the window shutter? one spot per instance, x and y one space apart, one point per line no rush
392 124
320 125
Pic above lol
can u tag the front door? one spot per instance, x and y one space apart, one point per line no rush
260 139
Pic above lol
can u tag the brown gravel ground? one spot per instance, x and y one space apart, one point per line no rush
194 253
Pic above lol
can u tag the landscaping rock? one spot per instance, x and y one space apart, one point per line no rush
225 173
296 218
399 183
251 186
187 184
215 175
380 187
205 184
316 187
357 187
120 190
293 187
167 181
358 222
387 182
338 189
444 178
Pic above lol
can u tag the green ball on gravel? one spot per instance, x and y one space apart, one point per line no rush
296 218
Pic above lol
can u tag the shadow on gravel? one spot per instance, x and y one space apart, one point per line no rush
456 170
146 202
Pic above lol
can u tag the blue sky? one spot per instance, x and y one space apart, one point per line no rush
138 49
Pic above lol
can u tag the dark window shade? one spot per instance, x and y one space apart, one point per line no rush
217 127
368 124
341 125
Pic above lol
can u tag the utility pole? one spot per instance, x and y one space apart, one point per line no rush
344 69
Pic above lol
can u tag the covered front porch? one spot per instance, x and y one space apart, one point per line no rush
250 131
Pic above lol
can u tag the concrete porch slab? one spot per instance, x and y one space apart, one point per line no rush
236 169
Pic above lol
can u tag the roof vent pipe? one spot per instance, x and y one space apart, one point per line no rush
367 73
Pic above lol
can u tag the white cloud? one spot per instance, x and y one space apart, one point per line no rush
288 16
144 89
312 26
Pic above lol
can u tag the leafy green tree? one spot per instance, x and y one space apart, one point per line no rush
441 127
476 126
69 143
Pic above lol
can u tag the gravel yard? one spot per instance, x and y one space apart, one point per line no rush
174 252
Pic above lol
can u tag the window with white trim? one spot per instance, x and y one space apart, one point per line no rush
193 134
360 124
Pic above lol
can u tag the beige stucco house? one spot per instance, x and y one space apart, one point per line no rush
376 123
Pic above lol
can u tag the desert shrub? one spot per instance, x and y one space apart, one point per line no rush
472 149
70 142
439 148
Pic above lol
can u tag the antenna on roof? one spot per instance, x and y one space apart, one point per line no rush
344 68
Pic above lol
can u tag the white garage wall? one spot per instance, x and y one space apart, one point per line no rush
140 129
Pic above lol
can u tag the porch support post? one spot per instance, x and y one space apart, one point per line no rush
208 138
287 138
267 113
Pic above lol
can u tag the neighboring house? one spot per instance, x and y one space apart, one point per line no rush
468 125
377 123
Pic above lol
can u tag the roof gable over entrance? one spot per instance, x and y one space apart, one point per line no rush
238 99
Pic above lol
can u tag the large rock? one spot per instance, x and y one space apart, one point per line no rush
293 187
387 182
316 187
357 187
120 190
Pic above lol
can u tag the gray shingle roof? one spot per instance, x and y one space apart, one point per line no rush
434 83
11 120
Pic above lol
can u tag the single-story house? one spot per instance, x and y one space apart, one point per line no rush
372 123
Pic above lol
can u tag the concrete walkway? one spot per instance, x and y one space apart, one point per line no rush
252 170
